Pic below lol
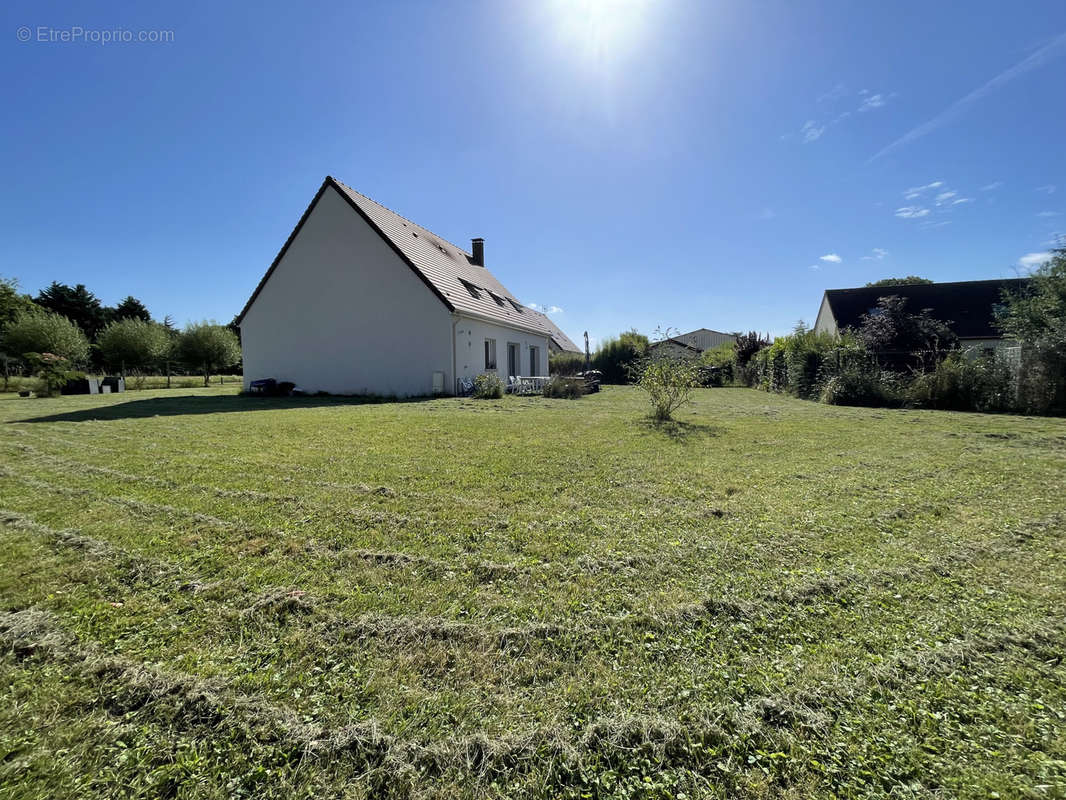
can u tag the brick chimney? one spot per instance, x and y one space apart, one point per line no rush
477 247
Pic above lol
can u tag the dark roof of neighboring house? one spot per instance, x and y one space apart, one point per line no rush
968 305
449 271
702 330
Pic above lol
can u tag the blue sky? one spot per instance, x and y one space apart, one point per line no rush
633 163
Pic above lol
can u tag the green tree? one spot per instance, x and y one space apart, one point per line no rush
892 328
40 331
233 326
207 346
133 343
130 308
747 345
1035 316
77 304
910 280
11 302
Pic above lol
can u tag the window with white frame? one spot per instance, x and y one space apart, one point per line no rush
490 354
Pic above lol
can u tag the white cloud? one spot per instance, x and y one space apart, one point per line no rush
912 212
988 187
815 267
956 109
832 258
1048 214
1033 260
960 200
1047 188
811 132
833 94
877 254
917 191
544 309
872 101
944 197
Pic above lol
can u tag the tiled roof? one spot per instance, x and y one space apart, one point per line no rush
968 305
449 269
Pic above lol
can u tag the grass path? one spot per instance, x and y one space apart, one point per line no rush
213 596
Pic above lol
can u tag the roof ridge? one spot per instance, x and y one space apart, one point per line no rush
934 283
401 216
709 330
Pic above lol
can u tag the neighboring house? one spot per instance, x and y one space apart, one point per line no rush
363 301
694 342
969 306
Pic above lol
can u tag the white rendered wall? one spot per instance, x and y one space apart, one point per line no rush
825 322
470 335
342 313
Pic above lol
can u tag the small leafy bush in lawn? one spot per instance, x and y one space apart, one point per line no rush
488 386
52 372
668 381
564 388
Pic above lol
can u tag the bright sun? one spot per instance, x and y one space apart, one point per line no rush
601 30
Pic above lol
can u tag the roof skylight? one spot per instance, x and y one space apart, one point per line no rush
471 288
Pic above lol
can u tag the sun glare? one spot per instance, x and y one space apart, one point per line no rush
599 31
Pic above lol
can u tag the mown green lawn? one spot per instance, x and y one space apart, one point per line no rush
205 595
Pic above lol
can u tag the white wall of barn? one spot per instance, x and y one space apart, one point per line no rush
343 314
470 336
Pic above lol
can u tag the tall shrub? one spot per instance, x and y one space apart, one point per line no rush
615 358
960 383
746 347
565 363
1036 317
720 362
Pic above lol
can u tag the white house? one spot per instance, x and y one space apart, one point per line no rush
363 301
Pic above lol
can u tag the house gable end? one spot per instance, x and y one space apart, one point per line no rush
329 182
